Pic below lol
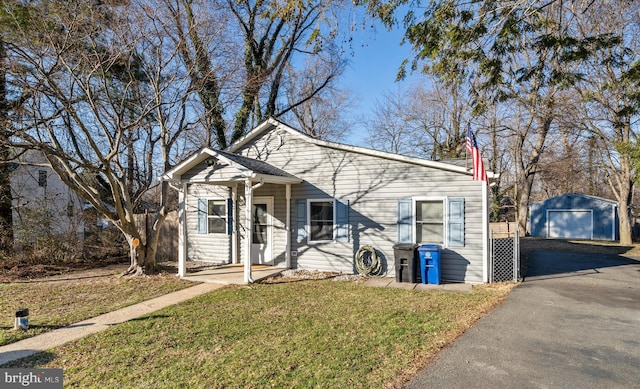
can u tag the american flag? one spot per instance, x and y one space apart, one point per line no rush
479 174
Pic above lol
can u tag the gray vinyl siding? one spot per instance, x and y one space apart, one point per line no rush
373 186
205 247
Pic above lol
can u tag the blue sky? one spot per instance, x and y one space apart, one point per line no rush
372 72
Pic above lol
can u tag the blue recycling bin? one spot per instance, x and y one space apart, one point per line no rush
430 263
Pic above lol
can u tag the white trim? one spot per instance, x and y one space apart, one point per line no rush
182 230
225 217
308 222
414 216
235 225
287 227
175 174
613 222
485 232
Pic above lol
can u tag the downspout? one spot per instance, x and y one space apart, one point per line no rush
248 194
287 258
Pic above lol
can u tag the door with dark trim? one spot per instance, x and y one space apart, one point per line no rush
262 231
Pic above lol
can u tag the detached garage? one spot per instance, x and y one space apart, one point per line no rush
575 216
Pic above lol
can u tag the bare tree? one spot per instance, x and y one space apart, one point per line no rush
421 121
324 114
519 52
611 105
272 35
101 102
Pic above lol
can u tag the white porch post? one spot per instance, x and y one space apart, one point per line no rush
287 227
234 226
182 230
248 203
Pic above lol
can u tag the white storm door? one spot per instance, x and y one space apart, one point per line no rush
262 231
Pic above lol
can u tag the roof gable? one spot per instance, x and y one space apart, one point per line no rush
272 124
224 166
569 195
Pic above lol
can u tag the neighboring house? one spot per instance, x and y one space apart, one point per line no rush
43 205
575 216
314 203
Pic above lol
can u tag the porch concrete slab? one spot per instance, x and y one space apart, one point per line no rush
233 274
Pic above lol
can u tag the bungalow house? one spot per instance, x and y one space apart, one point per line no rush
282 198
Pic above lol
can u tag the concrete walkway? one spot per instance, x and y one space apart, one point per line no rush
51 339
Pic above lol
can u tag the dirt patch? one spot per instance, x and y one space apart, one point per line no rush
18 271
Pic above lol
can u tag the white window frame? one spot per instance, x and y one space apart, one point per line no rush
224 217
308 223
443 200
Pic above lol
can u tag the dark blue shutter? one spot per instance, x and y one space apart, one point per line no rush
202 216
229 216
342 221
455 222
405 221
301 220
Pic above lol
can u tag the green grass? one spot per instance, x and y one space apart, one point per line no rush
310 334
60 303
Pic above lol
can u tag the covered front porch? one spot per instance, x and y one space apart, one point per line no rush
234 225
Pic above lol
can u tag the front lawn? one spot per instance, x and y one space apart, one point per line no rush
324 334
55 304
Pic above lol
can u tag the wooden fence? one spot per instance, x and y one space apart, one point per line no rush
504 228
168 240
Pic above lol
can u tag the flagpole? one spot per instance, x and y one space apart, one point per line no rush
466 149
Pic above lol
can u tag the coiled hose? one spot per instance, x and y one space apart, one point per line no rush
367 261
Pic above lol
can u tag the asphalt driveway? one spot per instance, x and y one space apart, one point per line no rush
573 323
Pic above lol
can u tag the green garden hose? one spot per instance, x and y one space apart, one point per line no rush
367 261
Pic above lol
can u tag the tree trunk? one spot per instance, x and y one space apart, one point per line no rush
624 195
143 254
624 224
523 202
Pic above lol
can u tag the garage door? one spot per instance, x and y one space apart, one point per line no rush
570 224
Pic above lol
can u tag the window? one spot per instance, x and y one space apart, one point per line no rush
42 178
216 216
429 219
320 220
432 221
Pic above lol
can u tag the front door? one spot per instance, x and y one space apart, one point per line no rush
262 236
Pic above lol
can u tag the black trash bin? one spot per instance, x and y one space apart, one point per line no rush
406 262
